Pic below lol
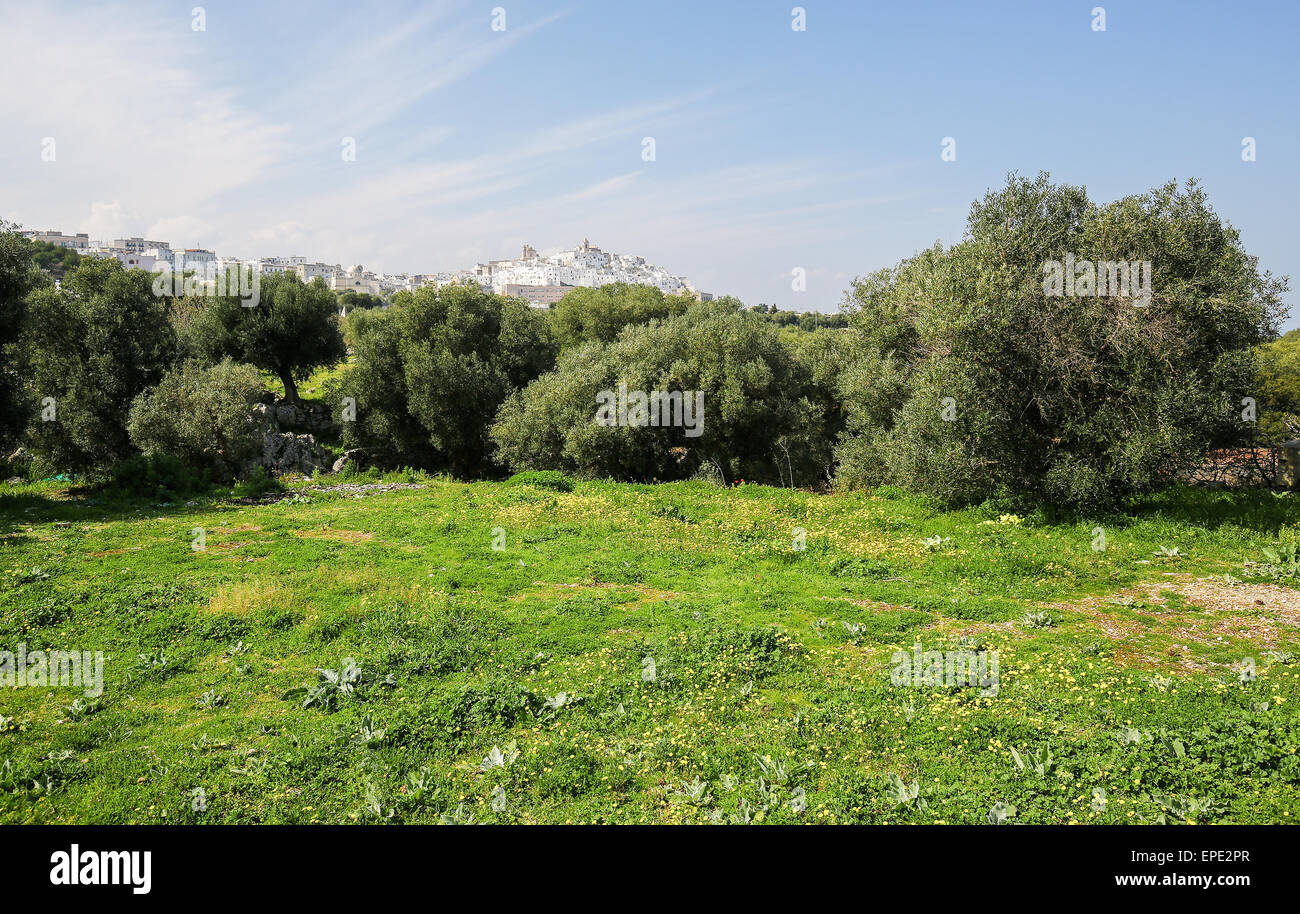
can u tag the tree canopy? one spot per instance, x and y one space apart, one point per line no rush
291 330
755 413
431 372
993 385
599 315
93 345
17 278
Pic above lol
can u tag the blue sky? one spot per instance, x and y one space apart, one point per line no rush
775 149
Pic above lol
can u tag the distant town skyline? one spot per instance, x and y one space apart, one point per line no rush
701 136
540 278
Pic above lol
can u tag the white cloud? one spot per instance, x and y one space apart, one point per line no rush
107 221
183 231
132 118
284 234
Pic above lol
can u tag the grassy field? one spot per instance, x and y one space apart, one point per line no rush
646 654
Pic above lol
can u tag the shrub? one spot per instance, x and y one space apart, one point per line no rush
201 416
757 419
824 355
431 372
155 476
871 388
94 344
257 482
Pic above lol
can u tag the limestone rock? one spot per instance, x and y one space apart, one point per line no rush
285 447
304 417
18 460
285 452
352 459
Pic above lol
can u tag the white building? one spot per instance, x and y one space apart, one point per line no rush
268 265
199 260
585 265
309 271
79 242
355 279
541 279
132 260
139 245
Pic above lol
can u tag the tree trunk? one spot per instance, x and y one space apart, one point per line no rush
290 388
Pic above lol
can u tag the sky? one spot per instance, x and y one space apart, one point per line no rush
775 149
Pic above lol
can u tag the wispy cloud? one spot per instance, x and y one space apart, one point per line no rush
359 88
130 119
232 138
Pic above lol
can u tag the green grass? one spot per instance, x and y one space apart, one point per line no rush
313 388
652 654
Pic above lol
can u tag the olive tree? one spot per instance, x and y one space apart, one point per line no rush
599 315
1064 351
291 330
17 278
596 414
93 345
431 372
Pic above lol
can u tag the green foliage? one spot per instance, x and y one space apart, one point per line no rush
257 482
291 331
55 259
1278 562
494 703
350 299
599 315
869 389
1040 385
94 344
1000 813
200 415
806 321
1278 381
431 372
900 793
349 681
825 356
156 476
17 278
756 412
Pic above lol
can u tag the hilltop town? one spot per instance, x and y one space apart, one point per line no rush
537 278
